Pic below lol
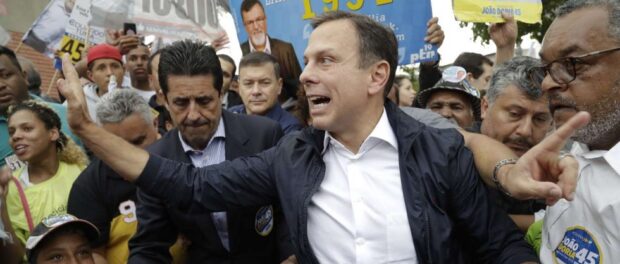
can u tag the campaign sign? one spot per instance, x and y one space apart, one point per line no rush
527 11
289 21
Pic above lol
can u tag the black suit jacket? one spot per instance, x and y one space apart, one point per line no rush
160 224
289 66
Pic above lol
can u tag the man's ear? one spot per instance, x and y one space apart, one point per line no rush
484 107
25 76
379 75
280 84
470 77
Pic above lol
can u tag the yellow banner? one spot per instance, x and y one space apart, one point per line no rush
527 11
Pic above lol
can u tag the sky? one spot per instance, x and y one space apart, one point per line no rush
461 39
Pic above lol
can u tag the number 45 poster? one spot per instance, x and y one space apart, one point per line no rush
289 21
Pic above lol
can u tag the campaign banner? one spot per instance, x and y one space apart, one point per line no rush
289 21
166 19
64 25
79 33
527 11
47 31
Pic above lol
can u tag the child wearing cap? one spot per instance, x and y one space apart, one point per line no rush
61 239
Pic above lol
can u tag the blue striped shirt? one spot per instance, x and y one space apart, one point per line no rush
213 153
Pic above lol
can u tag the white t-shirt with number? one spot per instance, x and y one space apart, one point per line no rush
587 230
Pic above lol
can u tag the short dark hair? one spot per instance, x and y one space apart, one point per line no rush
246 5
376 42
473 62
149 65
189 58
9 53
229 60
258 58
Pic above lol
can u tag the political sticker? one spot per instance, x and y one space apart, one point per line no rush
454 74
578 247
263 223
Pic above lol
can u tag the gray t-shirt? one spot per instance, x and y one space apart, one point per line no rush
429 117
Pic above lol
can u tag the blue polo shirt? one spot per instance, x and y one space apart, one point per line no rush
5 148
287 121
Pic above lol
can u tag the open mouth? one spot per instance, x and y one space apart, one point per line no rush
319 100
20 149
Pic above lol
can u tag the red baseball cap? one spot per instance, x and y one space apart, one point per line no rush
103 51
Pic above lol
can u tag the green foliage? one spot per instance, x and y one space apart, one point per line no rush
414 74
481 30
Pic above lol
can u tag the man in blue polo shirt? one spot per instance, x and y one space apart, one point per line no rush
259 86
13 90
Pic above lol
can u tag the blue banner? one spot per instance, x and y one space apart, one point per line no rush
289 21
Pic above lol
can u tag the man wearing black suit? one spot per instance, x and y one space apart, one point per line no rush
191 78
255 24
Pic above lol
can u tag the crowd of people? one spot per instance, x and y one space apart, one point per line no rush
180 155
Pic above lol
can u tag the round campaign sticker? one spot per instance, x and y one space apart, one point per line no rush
578 247
454 74
264 220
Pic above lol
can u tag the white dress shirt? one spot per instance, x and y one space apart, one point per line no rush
587 230
214 153
267 45
358 214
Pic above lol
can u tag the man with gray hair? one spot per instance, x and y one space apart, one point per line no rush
127 115
516 113
581 52
101 196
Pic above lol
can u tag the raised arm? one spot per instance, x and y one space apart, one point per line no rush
126 159
539 173
504 35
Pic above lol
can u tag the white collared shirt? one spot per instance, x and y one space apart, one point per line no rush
267 45
213 153
587 230
358 214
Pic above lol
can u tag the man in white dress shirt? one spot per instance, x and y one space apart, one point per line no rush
582 52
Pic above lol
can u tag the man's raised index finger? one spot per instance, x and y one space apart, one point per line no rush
68 70
558 138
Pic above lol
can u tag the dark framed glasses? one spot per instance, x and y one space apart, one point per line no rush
564 70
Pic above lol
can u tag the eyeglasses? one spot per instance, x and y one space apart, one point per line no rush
564 70
257 21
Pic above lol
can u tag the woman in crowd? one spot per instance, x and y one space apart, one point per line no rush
406 92
52 161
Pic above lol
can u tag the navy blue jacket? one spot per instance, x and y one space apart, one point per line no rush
450 216
159 223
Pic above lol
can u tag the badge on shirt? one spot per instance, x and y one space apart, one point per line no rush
263 223
13 162
578 247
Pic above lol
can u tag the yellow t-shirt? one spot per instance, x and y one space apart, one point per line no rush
44 198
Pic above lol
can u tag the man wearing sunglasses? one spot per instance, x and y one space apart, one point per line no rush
581 56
